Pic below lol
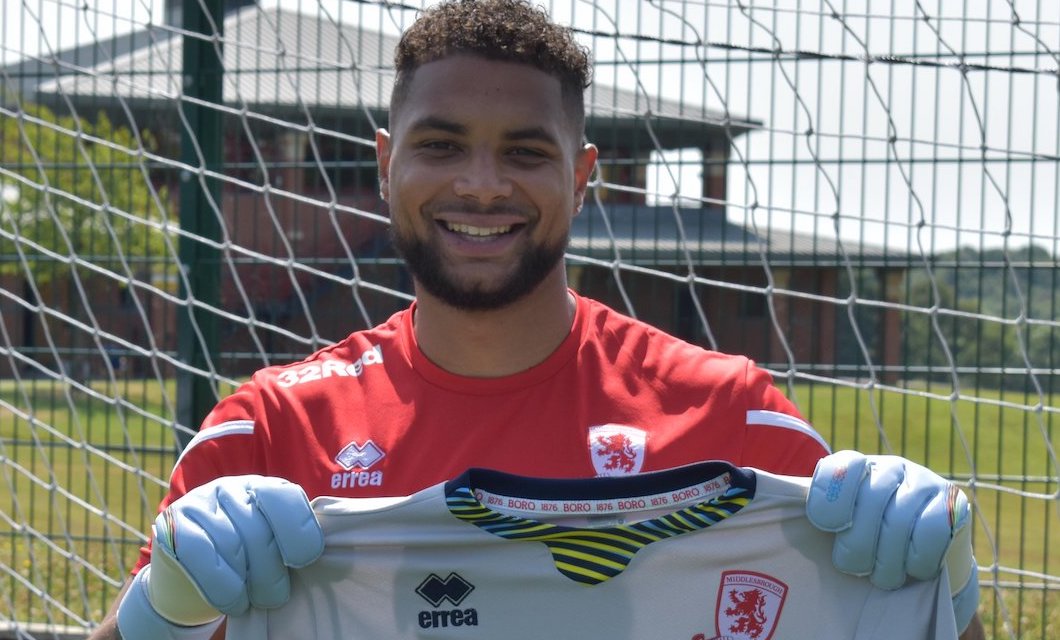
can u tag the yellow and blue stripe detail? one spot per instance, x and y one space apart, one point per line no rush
592 556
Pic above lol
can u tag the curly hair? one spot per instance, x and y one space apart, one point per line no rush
505 30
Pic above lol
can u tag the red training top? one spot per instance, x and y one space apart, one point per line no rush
372 416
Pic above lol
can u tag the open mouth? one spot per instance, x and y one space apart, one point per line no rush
478 232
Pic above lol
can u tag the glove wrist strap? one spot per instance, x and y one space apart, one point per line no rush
172 592
138 620
964 582
960 561
966 602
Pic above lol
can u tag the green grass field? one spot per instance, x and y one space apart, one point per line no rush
74 498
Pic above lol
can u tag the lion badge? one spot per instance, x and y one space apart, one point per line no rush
616 450
749 605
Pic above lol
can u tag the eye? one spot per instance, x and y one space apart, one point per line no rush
527 154
439 147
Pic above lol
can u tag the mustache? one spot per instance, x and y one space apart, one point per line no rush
474 208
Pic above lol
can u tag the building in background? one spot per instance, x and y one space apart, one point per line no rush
301 215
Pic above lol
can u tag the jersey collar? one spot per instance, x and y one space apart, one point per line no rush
592 555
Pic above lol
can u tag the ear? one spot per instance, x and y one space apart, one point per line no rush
382 159
584 164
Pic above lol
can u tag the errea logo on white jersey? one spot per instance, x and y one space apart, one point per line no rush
330 368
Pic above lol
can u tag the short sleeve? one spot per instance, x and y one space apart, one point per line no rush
226 444
778 438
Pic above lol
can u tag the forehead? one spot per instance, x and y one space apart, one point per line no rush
480 93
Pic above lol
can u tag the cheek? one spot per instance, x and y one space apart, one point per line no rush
551 186
557 204
414 182
404 190
401 202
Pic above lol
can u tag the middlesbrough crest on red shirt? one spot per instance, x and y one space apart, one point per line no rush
616 450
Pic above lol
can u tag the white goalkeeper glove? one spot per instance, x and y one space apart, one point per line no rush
220 549
895 519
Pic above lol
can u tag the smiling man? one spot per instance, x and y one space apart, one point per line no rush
484 170
497 363
487 180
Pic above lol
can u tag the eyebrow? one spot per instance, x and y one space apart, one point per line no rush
532 133
436 123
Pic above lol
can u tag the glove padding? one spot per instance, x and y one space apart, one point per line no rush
893 520
231 541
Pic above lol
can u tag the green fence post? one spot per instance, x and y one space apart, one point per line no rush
201 142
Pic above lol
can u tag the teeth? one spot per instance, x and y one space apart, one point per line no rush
477 231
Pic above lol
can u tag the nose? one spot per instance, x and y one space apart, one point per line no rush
482 178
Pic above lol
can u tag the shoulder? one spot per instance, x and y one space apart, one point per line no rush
272 388
631 342
280 403
721 388
347 358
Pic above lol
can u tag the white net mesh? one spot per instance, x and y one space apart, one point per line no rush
860 196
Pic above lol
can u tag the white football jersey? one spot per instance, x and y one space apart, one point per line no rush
703 552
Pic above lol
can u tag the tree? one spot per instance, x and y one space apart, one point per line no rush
977 292
81 199
78 212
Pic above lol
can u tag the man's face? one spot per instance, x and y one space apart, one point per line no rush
483 171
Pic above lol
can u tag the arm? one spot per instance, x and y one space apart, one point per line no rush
893 518
777 438
231 442
222 548
108 629
975 630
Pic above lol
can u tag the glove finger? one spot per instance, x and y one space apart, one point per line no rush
294 525
267 581
855 548
903 515
946 514
206 544
834 489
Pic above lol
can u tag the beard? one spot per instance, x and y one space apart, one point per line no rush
428 268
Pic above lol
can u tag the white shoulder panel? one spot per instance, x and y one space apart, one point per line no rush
235 427
785 421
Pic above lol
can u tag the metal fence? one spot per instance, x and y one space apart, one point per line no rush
862 197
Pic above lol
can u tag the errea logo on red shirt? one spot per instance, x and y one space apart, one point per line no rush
330 368
357 459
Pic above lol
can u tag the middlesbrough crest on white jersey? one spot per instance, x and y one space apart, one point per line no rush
749 605
616 449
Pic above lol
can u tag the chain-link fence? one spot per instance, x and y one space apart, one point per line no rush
860 196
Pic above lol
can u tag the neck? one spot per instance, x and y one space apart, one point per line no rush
498 342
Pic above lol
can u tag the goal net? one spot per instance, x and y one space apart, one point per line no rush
861 196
